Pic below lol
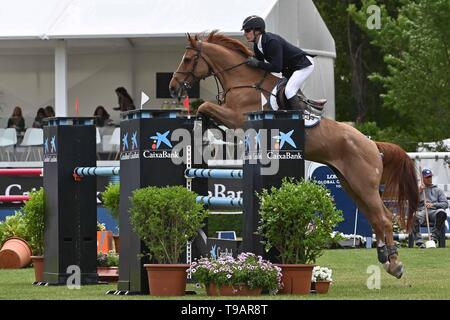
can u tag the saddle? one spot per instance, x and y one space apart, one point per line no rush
314 106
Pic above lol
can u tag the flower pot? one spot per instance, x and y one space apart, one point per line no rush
15 253
104 241
227 290
108 274
38 264
167 279
296 278
116 243
322 286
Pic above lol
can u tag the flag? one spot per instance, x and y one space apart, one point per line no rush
144 98
186 104
76 105
263 101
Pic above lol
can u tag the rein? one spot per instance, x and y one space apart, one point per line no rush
221 95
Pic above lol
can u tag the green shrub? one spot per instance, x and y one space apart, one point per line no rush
34 218
109 259
111 199
297 219
13 226
165 219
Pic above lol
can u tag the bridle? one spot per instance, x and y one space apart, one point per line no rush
221 95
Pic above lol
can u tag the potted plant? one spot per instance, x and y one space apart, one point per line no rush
34 217
111 201
321 278
108 266
166 219
15 251
248 274
297 220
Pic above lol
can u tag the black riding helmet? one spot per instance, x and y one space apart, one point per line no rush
254 22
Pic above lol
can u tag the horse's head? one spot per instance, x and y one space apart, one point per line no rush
193 68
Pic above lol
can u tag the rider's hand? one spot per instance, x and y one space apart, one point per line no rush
252 62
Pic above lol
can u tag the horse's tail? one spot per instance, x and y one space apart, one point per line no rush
400 179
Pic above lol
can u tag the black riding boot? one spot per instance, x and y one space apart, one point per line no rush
295 103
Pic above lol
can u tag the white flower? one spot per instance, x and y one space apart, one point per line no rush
321 274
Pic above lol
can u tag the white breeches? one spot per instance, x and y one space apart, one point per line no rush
297 79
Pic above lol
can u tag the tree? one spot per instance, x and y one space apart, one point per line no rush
415 45
357 99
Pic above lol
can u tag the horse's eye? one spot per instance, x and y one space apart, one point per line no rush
187 60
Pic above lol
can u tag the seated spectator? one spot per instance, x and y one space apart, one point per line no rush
49 112
125 101
17 121
435 203
102 117
39 119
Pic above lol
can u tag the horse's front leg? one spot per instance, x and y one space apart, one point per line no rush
222 114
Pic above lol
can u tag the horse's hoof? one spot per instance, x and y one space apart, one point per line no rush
396 269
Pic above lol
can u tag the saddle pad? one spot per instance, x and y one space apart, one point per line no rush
311 120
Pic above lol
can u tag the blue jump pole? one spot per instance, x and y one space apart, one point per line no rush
220 201
96 171
214 173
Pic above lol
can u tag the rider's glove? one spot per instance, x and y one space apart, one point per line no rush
253 62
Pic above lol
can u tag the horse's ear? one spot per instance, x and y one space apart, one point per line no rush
190 39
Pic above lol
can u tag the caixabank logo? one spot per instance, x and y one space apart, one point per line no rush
265 144
50 154
160 147
130 146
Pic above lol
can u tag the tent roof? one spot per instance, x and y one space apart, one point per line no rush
71 19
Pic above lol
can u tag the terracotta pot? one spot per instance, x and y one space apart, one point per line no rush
212 290
296 278
15 253
167 279
313 286
38 264
116 243
108 274
322 286
227 290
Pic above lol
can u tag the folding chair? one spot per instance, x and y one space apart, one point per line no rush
9 139
115 141
33 137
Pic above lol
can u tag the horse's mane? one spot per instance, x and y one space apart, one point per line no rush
222 40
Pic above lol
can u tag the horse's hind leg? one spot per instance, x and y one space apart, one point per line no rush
395 266
380 219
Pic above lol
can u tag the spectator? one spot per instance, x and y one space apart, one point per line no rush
39 119
435 203
125 101
49 112
17 121
102 117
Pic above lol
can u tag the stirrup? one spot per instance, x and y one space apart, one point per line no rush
319 103
314 106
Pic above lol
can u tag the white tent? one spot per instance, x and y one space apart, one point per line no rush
53 51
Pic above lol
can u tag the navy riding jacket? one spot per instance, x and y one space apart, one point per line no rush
281 55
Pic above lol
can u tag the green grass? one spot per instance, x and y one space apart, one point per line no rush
427 277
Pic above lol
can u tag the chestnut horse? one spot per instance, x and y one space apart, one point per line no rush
361 164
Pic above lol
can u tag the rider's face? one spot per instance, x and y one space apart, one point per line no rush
251 35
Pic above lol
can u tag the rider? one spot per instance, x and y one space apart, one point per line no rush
280 55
